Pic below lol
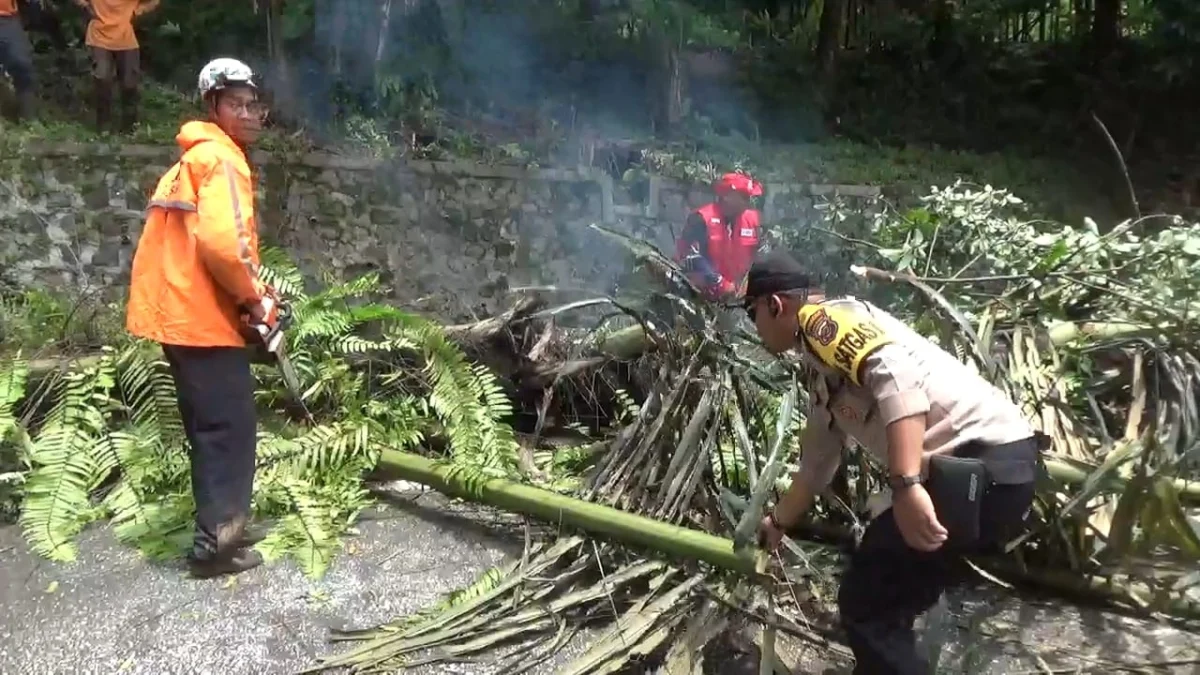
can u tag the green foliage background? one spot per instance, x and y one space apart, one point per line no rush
991 91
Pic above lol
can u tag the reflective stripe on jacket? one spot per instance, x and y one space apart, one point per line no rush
197 259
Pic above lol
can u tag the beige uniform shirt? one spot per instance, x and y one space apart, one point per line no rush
909 375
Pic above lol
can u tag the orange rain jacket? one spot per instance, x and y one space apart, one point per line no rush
197 259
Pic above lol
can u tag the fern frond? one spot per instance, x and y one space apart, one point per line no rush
355 288
310 533
160 528
322 450
468 399
279 271
320 323
149 396
68 462
351 344
14 377
374 312
63 472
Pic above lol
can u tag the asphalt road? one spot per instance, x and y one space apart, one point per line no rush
112 612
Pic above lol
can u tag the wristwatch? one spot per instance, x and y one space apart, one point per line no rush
901 482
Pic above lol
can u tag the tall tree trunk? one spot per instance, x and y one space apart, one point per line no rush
453 18
1081 18
285 106
668 86
384 26
829 46
1106 27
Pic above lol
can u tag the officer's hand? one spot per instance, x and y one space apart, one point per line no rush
769 536
917 520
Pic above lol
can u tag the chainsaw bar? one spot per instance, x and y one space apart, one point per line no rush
290 379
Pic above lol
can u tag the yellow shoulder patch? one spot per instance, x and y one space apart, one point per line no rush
841 337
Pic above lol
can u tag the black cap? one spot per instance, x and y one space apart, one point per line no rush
775 272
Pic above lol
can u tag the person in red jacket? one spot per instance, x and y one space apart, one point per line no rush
721 239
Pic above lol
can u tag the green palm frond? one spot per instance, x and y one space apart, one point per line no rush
14 376
149 395
279 271
321 450
66 463
311 531
467 398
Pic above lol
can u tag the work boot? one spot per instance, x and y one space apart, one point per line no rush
103 102
234 562
230 555
129 110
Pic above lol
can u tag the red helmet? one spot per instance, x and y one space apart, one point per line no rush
738 182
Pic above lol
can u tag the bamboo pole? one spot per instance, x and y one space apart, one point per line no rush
628 528
687 544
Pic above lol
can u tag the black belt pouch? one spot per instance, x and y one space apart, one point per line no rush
958 483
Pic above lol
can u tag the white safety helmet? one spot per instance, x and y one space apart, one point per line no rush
222 73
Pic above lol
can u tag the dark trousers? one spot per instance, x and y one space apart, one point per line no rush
124 68
216 401
888 584
16 58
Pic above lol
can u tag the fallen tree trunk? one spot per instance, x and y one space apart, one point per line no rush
693 545
679 542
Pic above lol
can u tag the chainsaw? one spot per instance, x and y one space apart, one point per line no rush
277 318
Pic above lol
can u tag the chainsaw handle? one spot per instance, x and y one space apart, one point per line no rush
283 315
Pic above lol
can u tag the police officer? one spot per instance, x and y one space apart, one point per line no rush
961 458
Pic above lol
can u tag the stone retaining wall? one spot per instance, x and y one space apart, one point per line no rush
448 237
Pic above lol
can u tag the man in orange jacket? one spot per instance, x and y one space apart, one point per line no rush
116 55
194 274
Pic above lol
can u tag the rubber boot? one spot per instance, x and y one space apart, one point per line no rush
103 103
129 110
231 555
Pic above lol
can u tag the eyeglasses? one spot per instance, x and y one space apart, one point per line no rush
750 304
253 109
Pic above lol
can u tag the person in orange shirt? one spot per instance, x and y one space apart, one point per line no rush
115 55
16 57
194 277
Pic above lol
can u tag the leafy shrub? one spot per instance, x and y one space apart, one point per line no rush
102 440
